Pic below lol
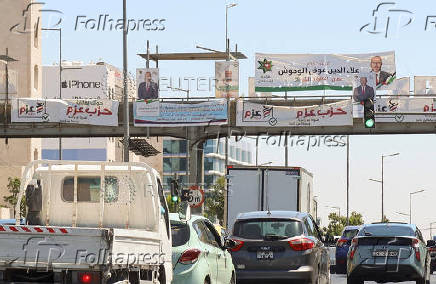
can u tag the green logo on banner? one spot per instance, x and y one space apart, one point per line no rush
265 65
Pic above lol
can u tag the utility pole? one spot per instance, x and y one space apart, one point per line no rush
126 92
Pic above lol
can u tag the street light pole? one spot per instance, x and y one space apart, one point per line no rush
126 93
382 182
227 9
410 203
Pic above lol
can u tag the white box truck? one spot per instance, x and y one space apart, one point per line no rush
268 188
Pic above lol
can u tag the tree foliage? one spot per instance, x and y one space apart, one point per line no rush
214 201
337 223
14 189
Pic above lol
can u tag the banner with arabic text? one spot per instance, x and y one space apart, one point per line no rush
304 72
155 113
254 114
396 109
86 111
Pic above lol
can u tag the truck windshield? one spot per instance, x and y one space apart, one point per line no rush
179 233
261 228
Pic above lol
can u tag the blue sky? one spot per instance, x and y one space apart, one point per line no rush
284 27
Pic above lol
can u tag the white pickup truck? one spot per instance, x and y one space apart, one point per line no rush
88 222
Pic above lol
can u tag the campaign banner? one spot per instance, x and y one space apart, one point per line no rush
255 114
170 114
396 110
227 79
304 72
147 80
91 112
425 85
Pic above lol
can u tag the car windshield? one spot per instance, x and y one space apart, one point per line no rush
179 233
261 228
387 231
349 234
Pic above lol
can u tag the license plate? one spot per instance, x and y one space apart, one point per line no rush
385 253
265 255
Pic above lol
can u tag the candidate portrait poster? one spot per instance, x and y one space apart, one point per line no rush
147 83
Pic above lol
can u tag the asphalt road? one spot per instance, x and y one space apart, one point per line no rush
342 279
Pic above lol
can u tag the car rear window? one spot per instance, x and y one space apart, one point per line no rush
259 228
349 234
179 233
387 231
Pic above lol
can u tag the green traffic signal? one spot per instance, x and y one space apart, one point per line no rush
369 123
174 198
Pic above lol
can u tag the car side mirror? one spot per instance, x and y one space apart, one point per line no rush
431 243
184 211
229 243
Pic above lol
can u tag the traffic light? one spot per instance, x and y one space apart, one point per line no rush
174 190
368 113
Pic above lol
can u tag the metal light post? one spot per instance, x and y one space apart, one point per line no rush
227 9
379 181
382 181
410 203
384 156
6 59
125 88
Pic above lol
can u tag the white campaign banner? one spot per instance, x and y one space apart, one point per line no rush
303 72
396 110
159 114
254 114
89 111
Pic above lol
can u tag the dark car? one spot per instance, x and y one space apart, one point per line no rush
279 245
388 252
342 246
431 245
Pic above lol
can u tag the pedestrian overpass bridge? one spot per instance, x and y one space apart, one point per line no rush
199 133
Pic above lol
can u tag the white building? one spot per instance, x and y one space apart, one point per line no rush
89 81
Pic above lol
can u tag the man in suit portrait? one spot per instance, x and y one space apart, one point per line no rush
380 76
363 92
148 89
